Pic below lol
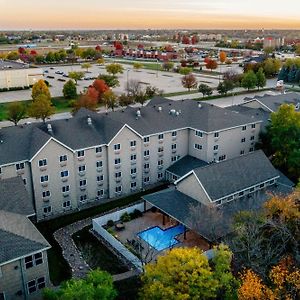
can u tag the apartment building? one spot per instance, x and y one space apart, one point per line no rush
69 164
23 250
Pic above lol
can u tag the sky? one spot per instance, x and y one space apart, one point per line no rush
144 14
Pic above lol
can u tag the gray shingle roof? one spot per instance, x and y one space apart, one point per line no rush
185 165
273 102
22 142
18 237
14 197
230 176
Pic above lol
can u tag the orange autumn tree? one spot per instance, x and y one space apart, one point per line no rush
211 64
101 87
222 57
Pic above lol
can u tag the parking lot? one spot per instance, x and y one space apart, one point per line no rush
166 81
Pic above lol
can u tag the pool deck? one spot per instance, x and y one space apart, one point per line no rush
150 219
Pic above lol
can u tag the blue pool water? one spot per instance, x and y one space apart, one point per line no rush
161 239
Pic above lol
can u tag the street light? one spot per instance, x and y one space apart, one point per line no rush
127 72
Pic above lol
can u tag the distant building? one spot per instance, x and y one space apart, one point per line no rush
18 75
273 42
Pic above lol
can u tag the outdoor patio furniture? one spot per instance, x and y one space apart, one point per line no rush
120 226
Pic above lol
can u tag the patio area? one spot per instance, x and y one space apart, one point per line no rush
128 236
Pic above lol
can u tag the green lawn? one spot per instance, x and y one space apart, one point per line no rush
59 269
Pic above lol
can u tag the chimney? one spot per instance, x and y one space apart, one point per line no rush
138 113
159 109
89 121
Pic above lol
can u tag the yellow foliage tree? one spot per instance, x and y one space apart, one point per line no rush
40 88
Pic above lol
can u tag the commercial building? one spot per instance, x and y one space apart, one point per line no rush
18 75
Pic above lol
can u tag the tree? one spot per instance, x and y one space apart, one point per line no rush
41 108
261 78
15 112
137 65
284 134
249 80
189 81
211 64
283 74
97 285
205 89
222 57
268 51
297 49
185 273
185 70
125 100
13 55
50 57
168 65
111 80
100 61
76 75
86 66
85 101
133 88
101 87
114 69
271 66
110 99
40 88
225 86
69 90
151 91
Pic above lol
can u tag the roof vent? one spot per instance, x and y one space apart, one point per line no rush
138 113
173 112
199 105
159 108
89 121
177 113
297 107
49 128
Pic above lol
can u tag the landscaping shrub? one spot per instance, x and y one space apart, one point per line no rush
125 217
110 223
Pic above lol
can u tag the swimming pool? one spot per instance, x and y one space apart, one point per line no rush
161 239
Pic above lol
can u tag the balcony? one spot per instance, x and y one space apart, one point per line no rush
21 172
46 199
146 171
64 179
99 154
160 154
174 138
117 151
133 189
99 169
43 168
160 141
118 166
83 188
66 194
81 158
118 179
160 167
132 148
133 175
146 144
81 173
174 151
100 183
63 163
44 184
133 162
146 157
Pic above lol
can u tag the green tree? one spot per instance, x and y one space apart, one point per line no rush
205 89
69 90
271 67
137 65
110 99
185 273
114 69
168 65
50 57
249 80
261 78
185 70
284 133
16 112
76 75
111 80
97 285
41 108
13 55
225 86
40 88
100 61
86 66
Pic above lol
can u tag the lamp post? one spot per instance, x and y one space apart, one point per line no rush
127 72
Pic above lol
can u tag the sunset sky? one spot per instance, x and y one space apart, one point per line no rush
135 14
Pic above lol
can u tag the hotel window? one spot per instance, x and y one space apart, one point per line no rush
133 184
44 178
146 179
161 136
160 162
146 166
262 185
118 174
81 168
63 158
222 157
146 139
100 178
100 193
160 175
118 189
253 125
20 166
47 209
98 149
117 161
36 284
133 157
83 198
241 194
160 149
117 147
82 182
174 158
198 133
46 194
42 162
198 146
64 173
251 149
244 128
146 152
80 153
174 133
132 143
33 260
243 140
173 146
242 152
99 164
133 171
216 134
24 181
0 170
66 203
216 147
65 188
251 189
252 138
